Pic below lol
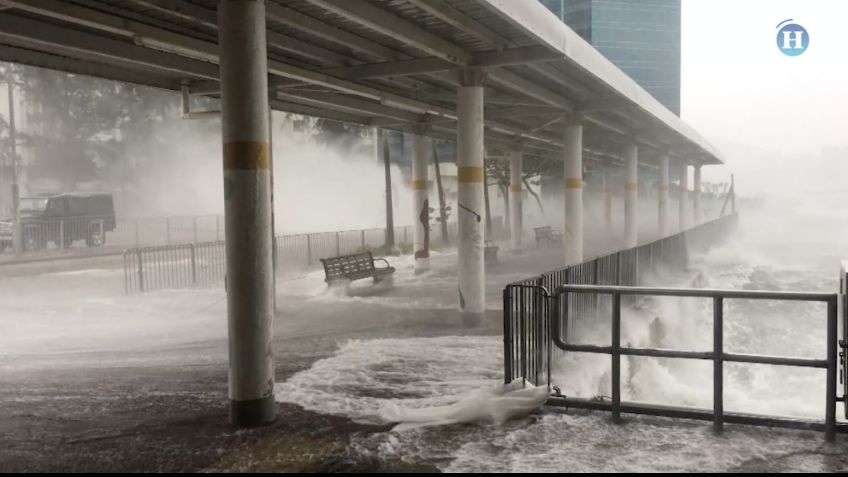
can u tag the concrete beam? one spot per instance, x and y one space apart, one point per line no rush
77 44
445 12
384 22
418 66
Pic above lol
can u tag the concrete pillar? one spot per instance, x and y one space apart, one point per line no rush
696 191
662 196
631 196
516 186
472 293
573 240
732 195
390 215
607 190
683 201
247 202
420 204
17 236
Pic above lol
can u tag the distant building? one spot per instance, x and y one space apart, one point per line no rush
641 37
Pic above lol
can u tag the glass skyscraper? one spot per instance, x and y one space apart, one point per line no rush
641 37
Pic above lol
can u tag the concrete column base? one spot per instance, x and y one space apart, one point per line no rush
253 413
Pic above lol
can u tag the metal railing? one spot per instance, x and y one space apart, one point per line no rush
525 345
184 265
82 235
558 313
538 326
173 266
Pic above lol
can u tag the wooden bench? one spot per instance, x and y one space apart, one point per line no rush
354 267
546 234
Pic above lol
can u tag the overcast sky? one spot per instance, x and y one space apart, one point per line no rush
752 101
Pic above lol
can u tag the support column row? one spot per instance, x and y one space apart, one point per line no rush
573 158
247 204
631 196
516 188
470 171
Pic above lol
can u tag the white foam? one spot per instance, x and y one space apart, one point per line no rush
453 380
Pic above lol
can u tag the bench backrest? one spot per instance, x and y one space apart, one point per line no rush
542 232
338 267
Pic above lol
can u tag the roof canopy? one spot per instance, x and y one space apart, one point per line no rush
386 63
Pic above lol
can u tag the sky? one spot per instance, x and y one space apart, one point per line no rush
771 115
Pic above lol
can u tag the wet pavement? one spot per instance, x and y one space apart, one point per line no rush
91 380
152 395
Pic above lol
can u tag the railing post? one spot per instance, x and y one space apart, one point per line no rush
338 245
718 363
596 264
126 274
830 402
618 268
616 357
140 272
553 313
193 264
61 235
308 249
507 325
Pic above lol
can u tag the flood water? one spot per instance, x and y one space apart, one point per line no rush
367 377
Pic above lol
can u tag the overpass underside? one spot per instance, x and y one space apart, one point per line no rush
491 74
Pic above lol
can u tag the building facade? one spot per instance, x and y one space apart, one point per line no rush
641 37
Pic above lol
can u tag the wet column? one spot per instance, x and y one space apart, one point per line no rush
247 203
573 151
683 201
631 196
516 188
607 191
472 293
662 196
696 195
420 203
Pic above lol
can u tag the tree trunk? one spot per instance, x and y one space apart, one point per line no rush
390 218
486 199
443 216
535 196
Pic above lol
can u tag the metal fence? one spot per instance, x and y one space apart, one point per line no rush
173 266
559 314
526 335
185 265
78 235
542 314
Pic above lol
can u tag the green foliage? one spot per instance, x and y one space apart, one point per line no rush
79 126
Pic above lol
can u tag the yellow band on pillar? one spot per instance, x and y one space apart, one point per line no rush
419 185
631 186
470 174
515 188
573 183
246 156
